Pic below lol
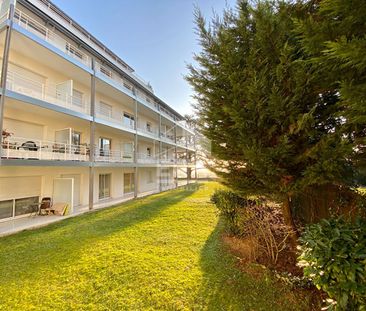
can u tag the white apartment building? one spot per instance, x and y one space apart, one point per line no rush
78 125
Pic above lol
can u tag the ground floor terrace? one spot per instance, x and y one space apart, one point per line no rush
24 189
160 252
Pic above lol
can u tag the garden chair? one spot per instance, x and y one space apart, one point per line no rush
45 206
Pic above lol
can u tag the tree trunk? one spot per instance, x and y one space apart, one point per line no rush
289 221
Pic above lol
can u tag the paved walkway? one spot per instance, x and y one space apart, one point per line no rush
31 222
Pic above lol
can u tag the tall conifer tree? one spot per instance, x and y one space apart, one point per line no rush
275 129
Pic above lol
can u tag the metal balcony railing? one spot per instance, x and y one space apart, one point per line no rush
149 131
181 161
113 156
114 117
167 160
167 137
35 27
35 149
46 92
181 142
145 158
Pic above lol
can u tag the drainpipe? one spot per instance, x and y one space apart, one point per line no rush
92 138
160 150
135 189
4 71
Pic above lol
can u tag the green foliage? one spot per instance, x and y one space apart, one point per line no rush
276 128
280 91
230 205
333 254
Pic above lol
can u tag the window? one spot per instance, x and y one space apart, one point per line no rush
104 146
128 182
148 151
76 138
6 209
104 186
128 120
105 109
25 205
77 98
148 127
128 150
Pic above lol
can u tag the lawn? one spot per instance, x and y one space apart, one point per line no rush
161 252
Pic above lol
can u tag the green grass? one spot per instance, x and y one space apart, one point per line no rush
162 252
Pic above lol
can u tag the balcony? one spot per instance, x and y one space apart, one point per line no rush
115 78
113 156
167 160
182 161
41 31
168 138
46 92
181 142
34 149
145 158
148 131
115 118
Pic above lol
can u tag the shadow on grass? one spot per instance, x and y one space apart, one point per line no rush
59 244
227 287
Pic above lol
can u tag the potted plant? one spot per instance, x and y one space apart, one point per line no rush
5 134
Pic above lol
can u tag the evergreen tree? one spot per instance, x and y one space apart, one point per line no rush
275 130
334 37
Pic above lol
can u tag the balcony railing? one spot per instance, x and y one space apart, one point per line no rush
181 161
167 137
113 156
46 92
116 118
191 145
35 27
148 131
145 158
35 149
167 160
181 142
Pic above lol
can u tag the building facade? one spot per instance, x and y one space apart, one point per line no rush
78 124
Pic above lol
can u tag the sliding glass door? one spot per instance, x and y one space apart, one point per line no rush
104 186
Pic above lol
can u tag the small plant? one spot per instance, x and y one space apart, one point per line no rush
5 134
229 205
255 220
333 254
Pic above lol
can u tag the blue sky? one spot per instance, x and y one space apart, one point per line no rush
155 37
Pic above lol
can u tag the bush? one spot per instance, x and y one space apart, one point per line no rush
229 205
333 254
255 220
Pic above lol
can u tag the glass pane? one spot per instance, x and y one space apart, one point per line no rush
76 138
6 209
128 182
104 186
25 205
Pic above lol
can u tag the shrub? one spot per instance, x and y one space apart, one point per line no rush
333 254
255 220
229 205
